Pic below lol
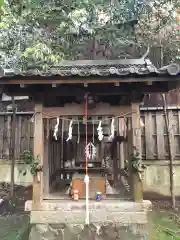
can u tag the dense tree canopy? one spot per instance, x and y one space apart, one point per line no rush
160 26
42 33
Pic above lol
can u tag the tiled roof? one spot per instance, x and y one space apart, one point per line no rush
82 68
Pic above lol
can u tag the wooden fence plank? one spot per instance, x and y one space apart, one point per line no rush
1 135
28 132
154 130
160 135
18 137
31 135
148 135
24 134
7 137
176 133
171 131
178 113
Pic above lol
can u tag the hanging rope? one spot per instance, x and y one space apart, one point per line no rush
86 179
46 115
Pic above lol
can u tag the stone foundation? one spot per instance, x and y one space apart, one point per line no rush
92 232
109 220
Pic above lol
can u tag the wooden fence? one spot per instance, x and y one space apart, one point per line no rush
154 135
23 133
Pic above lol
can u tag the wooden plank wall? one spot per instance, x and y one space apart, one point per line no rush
154 135
24 135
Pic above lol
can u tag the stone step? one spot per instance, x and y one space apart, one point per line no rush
111 220
79 216
108 205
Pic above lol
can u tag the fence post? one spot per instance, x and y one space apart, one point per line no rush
13 132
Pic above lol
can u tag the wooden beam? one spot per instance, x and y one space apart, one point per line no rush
97 89
101 109
73 80
38 151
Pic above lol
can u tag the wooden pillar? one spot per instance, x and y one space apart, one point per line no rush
46 161
122 153
136 183
38 151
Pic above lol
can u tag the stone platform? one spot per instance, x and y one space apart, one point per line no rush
109 220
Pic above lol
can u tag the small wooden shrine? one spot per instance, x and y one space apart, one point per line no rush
87 118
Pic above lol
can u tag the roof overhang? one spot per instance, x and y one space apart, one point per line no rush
93 71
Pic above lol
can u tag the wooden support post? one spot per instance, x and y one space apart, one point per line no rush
13 146
46 164
38 151
115 159
136 183
121 132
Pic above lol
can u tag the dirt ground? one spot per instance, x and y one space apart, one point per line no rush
22 194
14 222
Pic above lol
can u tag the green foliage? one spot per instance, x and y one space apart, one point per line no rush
160 26
41 34
32 163
164 225
135 163
1 8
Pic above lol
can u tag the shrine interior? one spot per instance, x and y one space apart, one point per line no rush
106 158
67 157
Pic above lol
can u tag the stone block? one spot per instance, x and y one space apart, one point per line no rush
78 217
69 235
109 205
83 232
56 217
109 220
44 232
